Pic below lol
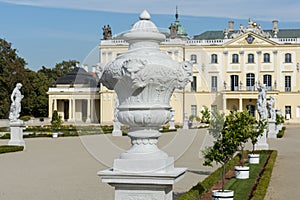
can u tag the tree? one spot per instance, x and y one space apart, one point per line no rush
205 115
225 144
56 120
12 71
258 131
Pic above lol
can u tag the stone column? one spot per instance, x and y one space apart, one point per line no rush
240 104
88 119
55 104
224 103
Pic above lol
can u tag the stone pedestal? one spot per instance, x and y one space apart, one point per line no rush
146 186
278 128
16 133
185 122
117 129
172 125
272 129
262 142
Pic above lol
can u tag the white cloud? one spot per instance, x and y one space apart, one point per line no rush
263 10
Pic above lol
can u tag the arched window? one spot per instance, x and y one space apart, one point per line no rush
214 58
194 58
266 57
235 58
250 81
250 58
288 58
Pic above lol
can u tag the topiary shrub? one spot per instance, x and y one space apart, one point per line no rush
56 120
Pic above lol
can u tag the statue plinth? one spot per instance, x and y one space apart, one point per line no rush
272 129
262 142
16 133
144 79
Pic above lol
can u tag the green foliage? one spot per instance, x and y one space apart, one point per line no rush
279 119
194 117
56 120
205 116
25 118
262 186
280 134
258 131
35 84
9 148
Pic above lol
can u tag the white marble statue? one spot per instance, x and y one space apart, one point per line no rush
16 98
271 109
262 101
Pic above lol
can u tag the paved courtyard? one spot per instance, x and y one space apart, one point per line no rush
66 168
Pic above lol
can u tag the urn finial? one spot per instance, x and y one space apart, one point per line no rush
145 15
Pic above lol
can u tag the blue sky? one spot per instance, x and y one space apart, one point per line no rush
46 32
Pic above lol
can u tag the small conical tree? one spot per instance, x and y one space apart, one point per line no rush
56 120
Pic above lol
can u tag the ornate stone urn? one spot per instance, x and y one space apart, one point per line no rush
144 79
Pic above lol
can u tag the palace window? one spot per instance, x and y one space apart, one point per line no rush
214 83
194 58
288 58
287 83
194 84
288 114
235 58
214 58
194 110
266 57
267 80
250 81
250 58
234 82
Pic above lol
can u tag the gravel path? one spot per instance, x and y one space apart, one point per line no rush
66 168
284 182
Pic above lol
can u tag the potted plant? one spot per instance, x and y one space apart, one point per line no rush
242 123
56 123
279 122
258 131
222 151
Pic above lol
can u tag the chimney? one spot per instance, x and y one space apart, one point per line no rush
231 26
275 25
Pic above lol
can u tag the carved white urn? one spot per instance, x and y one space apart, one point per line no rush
144 79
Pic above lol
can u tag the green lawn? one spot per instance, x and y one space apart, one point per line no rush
243 187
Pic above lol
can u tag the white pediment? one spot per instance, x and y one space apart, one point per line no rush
250 39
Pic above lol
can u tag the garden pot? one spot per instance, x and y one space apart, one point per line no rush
241 172
222 195
54 135
253 158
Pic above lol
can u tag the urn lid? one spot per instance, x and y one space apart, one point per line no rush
144 29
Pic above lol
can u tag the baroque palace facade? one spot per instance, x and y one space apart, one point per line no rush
227 66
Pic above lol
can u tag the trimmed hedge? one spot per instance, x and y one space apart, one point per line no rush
9 148
281 133
206 184
262 186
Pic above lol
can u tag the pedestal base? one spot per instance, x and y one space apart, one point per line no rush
16 133
117 129
146 186
272 130
172 125
262 142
